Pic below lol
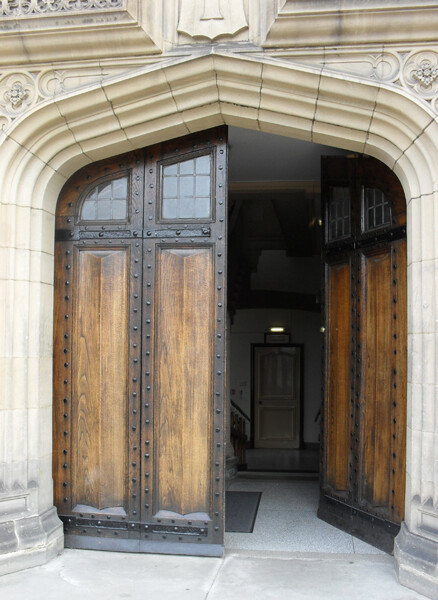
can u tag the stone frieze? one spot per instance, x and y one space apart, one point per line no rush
415 71
19 8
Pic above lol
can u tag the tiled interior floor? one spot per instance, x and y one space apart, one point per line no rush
286 520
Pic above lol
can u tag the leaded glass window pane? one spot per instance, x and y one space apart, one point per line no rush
376 209
108 201
186 189
339 216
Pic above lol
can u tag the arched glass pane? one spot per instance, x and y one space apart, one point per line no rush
186 189
108 201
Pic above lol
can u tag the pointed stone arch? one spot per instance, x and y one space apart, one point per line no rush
156 103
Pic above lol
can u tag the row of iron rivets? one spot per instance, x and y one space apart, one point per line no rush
354 371
148 387
354 362
219 351
394 372
134 391
67 391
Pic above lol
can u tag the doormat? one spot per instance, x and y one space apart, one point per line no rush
241 511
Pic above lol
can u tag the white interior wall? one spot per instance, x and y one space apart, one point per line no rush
248 328
257 156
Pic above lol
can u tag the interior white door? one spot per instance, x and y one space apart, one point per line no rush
277 393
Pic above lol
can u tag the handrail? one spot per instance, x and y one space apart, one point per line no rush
234 405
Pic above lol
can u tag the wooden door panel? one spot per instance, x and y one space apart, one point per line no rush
384 379
276 372
338 376
376 377
399 381
183 386
277 424
100 356
62 378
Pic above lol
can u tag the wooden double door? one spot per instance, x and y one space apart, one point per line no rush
139 349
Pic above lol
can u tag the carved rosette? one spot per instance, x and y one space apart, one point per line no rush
17 94
420 73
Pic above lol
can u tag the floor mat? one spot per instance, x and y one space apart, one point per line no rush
241 511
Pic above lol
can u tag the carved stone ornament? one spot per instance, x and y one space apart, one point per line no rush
426 73
17 94
416 72
20 91
421 73
211 18
16 8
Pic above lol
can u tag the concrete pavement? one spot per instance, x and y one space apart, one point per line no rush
89 575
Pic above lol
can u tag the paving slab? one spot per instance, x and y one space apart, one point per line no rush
92 575
314 578
89 575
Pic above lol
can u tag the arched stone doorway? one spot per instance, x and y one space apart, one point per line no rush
130 112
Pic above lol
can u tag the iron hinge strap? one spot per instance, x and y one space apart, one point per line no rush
181 232
71 235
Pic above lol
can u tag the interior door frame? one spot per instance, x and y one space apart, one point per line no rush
252 401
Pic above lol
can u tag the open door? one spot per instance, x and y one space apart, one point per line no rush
139 350
364 429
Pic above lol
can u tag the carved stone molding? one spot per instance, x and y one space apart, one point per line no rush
21 91
18 8
415 71
212 18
